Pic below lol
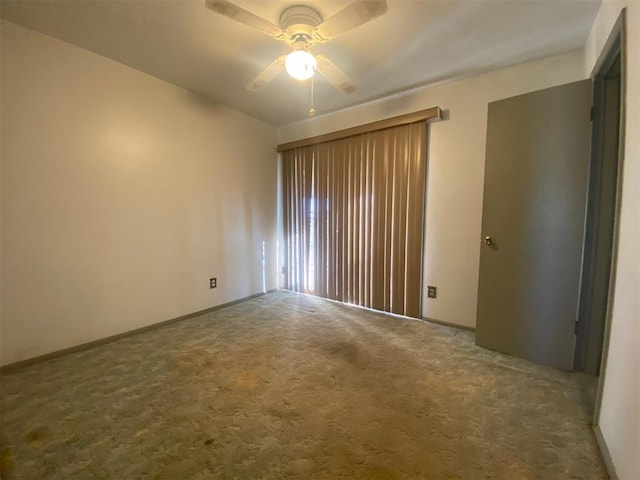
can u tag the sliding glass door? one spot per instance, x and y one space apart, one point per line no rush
353 218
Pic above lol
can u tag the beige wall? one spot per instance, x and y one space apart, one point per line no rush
121 196
455 169
620 415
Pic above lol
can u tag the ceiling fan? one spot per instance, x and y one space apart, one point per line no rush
301 27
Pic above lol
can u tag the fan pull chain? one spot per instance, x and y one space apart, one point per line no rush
312 111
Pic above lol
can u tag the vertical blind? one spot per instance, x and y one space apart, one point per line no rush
353 218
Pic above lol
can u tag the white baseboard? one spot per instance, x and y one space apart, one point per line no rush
606 456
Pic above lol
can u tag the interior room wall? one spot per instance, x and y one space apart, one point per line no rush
121 196
456 155
619 419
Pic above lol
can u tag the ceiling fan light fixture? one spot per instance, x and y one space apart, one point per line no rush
301 64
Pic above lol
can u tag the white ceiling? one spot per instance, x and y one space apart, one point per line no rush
415 43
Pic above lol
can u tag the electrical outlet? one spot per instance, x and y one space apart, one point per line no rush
431 291
213 282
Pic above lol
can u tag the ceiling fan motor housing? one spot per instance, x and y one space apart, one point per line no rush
298 22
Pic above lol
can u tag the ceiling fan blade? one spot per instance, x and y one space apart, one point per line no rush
267 74
234 12
351 16
334 75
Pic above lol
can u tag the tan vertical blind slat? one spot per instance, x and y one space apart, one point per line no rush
352 214
415 244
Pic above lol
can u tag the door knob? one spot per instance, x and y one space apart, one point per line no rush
488 240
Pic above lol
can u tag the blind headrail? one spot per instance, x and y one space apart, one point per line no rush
428 114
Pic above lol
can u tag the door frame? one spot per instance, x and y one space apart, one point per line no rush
614 47
600 219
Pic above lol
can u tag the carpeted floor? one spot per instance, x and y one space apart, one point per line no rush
291 386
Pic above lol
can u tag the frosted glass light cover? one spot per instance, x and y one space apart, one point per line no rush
300 64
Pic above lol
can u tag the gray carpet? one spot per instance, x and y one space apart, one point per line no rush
291 386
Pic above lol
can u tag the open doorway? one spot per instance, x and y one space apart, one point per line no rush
602 207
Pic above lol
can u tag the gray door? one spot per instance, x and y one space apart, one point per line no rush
534 211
